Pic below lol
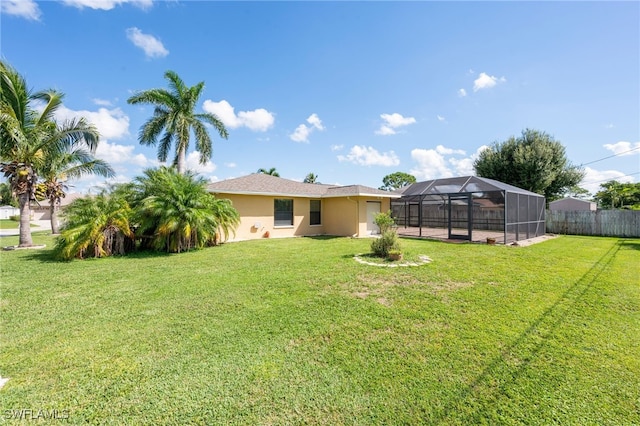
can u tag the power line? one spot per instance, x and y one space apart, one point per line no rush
611 156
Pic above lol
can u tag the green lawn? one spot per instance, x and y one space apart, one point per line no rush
295 331
12 224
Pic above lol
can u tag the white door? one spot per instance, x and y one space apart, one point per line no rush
373 208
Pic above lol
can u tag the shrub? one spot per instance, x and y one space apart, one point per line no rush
96 227
388 236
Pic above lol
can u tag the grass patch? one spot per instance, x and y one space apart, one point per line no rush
12 224
283 331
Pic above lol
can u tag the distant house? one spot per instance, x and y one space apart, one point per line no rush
572 204
271 206
41 210
7 211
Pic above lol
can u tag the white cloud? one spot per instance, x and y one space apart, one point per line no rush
116 155
462 167
369 156
106 4
153 48
485 81
593 178
433 163
430 165
27 9
102 102
397 120
230 165
623 148
315 121
302 132
337 147
385 130
462 93
258 120
441 118
392 122
111 123
193 163
448 151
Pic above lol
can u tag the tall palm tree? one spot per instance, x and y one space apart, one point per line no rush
30 137
174 120
272 172
72 163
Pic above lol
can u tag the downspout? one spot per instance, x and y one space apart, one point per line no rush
357 217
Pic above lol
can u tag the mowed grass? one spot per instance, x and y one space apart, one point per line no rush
13 224
296 332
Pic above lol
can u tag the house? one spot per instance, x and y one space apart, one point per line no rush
7 211
572 204
41 210
271 206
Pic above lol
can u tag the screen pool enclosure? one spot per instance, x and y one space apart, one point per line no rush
469 208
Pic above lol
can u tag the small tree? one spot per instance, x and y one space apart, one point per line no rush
388 236
96 227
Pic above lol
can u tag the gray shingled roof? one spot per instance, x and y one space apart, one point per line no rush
263 184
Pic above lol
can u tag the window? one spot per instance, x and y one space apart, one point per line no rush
283 212
314 212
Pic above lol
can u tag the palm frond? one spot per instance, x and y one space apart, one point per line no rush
214 121
53 101
203 141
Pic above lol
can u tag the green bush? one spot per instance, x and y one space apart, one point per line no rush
388 236
15 218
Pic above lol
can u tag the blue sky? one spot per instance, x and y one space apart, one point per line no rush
350 91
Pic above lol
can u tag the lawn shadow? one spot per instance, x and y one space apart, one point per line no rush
526 347
629 244
47 255
323 237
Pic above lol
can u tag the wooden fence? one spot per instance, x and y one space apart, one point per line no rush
606 223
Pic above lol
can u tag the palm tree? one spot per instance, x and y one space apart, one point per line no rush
174 115
176 213
72 163
96 227
311 178
30 137
272 172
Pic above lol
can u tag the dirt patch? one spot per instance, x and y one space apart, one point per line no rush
383 301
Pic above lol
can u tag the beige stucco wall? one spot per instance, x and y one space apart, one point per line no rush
258 210
345 216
